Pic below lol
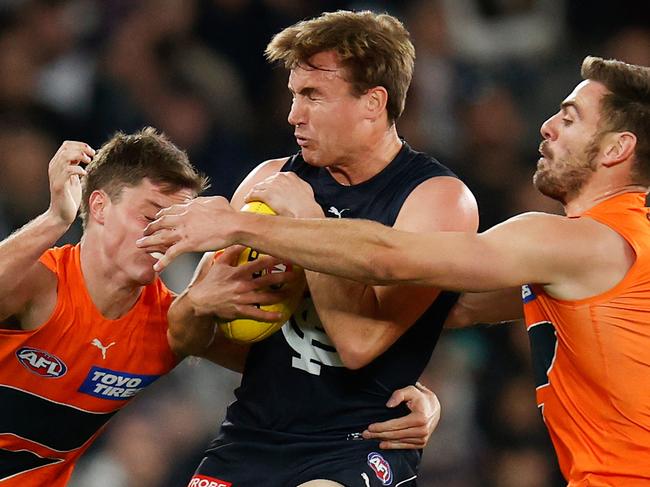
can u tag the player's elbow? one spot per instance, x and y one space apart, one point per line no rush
355 356
177 344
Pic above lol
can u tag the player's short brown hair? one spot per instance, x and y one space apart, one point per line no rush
375 50
627 106
126 160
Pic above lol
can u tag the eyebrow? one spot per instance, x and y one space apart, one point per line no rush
153 203
307 91
565 105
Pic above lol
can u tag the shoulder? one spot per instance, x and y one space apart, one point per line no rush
445 202
585 230
260 173
264 170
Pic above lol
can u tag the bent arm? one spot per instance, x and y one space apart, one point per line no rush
363 321
19 256
192 333
20 276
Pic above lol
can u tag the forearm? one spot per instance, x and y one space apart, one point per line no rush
346 310
189 332
226 353
317 244
498 306
21 251
364 321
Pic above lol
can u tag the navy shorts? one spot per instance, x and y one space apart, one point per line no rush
357 463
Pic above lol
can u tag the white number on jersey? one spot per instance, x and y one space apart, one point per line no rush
311 356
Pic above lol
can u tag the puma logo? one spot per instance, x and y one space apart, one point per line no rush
103 348
335 211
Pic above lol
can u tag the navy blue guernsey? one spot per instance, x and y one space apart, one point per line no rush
294 383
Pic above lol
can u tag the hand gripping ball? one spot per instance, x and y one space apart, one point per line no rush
246 330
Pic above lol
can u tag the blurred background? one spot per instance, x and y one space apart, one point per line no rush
488 73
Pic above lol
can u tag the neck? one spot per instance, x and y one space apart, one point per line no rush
588 199
110 293
369 159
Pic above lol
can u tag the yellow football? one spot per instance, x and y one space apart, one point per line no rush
248 330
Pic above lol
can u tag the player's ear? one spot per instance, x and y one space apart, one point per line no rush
376 100
619 147
97 203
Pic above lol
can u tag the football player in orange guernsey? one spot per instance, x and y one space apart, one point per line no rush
585 276
85 327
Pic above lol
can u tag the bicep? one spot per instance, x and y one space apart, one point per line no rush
438 204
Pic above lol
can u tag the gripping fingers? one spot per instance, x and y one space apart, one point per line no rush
75 171
255 313
257 265
408 444
416 431
162 222
273 279
162 239
167 258
72 152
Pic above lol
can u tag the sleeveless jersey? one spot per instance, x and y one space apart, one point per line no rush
592 363
60 383
294 383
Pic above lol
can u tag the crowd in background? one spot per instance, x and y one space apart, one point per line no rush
488 73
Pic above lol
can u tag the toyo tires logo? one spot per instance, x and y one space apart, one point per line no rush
41 363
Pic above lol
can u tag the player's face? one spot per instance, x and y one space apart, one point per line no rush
124 223
326 116
571 142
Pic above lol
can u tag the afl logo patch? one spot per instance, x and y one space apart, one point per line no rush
41 363
381 468
527 294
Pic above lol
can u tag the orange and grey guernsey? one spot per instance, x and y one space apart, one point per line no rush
592 363
61 383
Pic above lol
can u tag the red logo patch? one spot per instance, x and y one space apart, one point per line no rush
41 362
204 481
381 468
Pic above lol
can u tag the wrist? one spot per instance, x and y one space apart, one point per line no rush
194 302
243 227
54 221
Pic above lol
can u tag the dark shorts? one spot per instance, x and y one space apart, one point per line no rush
352 463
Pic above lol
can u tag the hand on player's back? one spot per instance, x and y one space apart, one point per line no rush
413 430
288 195
64 173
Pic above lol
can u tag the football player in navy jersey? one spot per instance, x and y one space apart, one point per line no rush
314 386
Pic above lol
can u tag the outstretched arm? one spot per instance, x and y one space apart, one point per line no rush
571 257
